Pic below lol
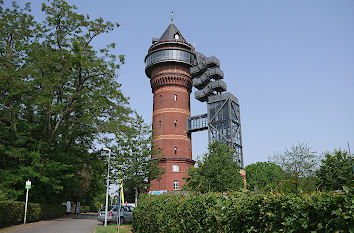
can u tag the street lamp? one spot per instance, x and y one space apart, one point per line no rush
106 208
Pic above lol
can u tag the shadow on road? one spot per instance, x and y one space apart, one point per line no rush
78 216
73 223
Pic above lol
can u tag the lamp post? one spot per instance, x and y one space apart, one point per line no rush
106 208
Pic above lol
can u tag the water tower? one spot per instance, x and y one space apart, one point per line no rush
167 64
174 67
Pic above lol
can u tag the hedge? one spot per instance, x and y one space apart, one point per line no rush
84 209
12 212
246 212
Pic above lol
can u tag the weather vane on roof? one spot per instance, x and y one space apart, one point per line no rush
172 16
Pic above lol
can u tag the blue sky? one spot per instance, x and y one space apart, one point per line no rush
290 64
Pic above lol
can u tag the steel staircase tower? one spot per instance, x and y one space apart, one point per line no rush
223 118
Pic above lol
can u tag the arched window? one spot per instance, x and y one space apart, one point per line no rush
175 185
175 97
175 123
175 150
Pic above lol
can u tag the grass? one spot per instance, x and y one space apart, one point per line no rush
112 228
6 229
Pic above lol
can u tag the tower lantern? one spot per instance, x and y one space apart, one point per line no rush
168 64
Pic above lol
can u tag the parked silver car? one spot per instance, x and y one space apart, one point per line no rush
126 214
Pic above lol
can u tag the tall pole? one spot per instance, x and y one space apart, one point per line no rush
119 208
351 158
24 220
27 186
106 208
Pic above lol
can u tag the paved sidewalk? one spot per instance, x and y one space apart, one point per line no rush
77 223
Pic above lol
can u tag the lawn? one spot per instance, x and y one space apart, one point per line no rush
112 228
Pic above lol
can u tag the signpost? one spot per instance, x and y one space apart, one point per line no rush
119 209
28 187
107 190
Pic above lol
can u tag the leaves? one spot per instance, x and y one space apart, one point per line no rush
245 212
58 97
264 176
335 171
133 155
216 172
298 162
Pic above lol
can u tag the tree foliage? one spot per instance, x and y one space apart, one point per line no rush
264 176
217 171
58 95
335 171
133 162
299 163
246 212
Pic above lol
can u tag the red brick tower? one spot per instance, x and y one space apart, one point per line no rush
167 65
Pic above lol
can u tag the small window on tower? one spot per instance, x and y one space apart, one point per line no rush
175 168
175 185
175 150
160 124
175 123
175 97
176 36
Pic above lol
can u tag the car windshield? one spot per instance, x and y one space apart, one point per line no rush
109 208
127 208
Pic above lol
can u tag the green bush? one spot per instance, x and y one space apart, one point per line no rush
12 212
84 209
51 211
246 212
94 208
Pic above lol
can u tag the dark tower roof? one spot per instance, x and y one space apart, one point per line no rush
171 47
169 34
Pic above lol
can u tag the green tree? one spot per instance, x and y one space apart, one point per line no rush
299 163
58 96
134 150
216 172
264 176
17 29
335 171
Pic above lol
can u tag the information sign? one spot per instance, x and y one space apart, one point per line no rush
28 184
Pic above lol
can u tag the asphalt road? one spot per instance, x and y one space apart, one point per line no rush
84 223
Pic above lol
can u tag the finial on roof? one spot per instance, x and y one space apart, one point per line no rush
172 17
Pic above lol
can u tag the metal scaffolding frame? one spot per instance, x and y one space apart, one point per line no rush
223 119
225 122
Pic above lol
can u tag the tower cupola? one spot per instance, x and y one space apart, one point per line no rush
171 46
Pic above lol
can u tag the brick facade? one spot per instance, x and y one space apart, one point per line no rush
171 85
167 65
